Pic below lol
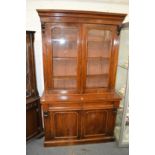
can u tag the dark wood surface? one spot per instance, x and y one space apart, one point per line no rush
80 52
33 108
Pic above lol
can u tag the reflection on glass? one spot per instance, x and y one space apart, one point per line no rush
61 41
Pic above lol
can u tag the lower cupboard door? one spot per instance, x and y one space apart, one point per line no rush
65 125
98 123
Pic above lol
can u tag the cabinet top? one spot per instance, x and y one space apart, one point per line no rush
107 96
117 18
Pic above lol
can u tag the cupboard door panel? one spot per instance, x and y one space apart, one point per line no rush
65 124
98 123
95 123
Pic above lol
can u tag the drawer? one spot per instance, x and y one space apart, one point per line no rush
97 105
65 106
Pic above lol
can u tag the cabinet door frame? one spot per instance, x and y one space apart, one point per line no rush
113 57
48 58
51 128
109 123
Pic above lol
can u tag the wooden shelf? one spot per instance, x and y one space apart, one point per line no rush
63 41
98 58
99 41
64 58
65 77
97 75
89 58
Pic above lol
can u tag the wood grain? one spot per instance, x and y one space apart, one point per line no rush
80 52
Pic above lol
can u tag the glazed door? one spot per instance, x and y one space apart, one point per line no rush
98 57
63 57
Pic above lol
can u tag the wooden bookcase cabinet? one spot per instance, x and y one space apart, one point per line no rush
80 51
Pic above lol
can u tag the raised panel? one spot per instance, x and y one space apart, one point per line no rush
66 124
32 123
95 122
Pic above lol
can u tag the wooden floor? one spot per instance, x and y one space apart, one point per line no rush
35 147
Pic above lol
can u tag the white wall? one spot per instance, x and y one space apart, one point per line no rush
33 22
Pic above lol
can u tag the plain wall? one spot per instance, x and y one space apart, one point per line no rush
33 22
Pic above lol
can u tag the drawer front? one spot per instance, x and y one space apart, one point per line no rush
97 105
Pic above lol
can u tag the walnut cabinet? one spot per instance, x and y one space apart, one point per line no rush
80 51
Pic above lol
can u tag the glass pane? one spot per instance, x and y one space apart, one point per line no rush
65 53
97 81
64 83
99 42
123 49
97 66
64 41
63 48
64 67
98 61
